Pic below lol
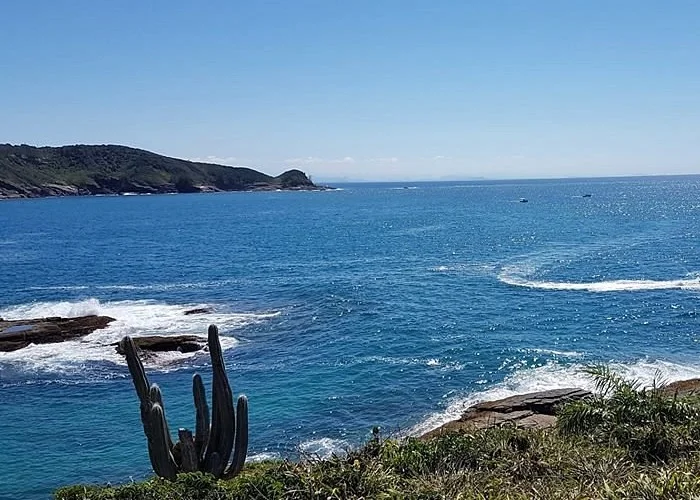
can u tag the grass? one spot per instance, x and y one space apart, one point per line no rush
626 443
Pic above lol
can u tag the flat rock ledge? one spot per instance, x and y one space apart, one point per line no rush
149 345
683 388
533 410
18 334
536 410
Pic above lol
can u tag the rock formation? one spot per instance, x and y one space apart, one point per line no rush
161 343
683 388
18 334
532 410
198 310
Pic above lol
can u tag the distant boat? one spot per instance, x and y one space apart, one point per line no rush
523 200
587 195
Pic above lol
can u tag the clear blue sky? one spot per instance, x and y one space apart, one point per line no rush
382 90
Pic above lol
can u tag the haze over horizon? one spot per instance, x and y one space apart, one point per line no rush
378 91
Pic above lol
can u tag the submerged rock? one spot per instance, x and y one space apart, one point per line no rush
532 410
163 343
18 334
198 310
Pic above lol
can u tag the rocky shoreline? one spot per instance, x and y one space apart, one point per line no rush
534 410
63 190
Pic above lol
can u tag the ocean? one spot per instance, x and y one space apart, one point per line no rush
391 305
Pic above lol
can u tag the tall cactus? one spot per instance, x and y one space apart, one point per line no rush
219 447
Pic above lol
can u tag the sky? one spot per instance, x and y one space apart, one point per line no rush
382 90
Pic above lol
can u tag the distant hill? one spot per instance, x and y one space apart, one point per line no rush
32 172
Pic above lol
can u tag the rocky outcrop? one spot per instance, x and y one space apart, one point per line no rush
683 388
533 410
18 334
536 409
161 343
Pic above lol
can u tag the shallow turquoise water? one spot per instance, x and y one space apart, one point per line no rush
379 304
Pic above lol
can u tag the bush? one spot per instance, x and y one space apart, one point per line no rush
651 425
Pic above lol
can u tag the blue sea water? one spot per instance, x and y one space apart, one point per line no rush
378 304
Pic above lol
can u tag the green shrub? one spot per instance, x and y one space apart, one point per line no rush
647 422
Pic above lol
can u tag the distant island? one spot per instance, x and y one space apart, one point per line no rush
34 172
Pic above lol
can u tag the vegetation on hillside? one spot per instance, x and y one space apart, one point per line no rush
27 171
625 443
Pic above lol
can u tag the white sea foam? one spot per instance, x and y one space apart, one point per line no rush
479 268
554 352
517 278
262 456
554 376
391 360
324 447
524 273
133 317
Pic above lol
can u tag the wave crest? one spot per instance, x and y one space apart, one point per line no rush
516 276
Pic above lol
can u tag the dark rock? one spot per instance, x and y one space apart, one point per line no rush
199 310
533 410
18 334
162 343
544 402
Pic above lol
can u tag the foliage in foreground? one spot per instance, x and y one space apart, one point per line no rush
649 424
623 444
497 463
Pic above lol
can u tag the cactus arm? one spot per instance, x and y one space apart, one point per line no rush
215 461
141 384
211 449
189 461
156 397
221 435
162 460
240 448
201 435
138 373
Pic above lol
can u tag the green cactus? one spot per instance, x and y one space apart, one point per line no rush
218 448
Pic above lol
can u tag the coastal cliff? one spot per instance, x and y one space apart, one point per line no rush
34 172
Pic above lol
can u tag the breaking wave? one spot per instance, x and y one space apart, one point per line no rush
133 317
553 376
324 447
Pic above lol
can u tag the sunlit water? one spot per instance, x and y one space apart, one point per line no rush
342 310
